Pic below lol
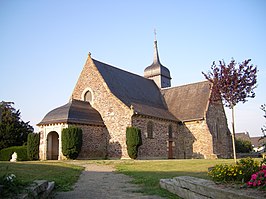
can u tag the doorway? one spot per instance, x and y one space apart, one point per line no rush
52 146
170 150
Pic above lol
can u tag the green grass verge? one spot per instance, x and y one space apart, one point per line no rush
148 173
64 175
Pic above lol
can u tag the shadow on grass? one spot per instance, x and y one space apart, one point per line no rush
64 175
150 181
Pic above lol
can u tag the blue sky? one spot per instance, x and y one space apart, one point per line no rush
44 45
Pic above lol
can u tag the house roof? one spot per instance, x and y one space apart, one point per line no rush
134 90
257 141
77 112
188 102
243 136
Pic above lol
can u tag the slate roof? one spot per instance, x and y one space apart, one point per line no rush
74 112
243 136
142 93
257 141
188 102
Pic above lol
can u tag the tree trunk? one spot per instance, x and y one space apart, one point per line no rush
233 133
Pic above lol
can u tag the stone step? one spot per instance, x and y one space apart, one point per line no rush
195 188
40 189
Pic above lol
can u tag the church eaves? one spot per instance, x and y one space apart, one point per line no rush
74 112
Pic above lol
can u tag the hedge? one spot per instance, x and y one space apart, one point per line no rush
6 154
133 141
71 142
33 143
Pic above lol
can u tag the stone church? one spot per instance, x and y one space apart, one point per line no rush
175 122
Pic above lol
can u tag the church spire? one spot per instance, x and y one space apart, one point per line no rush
156 59
157 72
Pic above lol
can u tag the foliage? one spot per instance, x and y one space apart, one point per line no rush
263 129
13 131
6 154
231 83
33 146
133 141
258 179
239 172
71 142
11 185
263 108
243 146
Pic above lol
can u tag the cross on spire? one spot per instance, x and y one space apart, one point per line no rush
155 34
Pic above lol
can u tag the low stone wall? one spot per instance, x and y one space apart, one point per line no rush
40 189
195 188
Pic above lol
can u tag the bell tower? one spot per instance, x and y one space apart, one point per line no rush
156 71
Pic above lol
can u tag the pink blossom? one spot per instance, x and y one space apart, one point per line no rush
259 182
249 183
254 176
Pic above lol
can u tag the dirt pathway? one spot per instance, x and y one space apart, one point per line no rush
100 181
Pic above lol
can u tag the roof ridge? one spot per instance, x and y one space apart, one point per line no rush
120 69
183 85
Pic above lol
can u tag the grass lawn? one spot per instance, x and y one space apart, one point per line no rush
146 173
64 175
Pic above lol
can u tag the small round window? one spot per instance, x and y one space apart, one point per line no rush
88 96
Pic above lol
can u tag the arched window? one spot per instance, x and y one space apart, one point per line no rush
170 131
88 96
150 129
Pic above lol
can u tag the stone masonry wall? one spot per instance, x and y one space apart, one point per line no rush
156 147
44 130
115 114
202 144
194 141
184 145
94 142
217 122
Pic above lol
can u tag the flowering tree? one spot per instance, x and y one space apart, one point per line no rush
232 83
263 129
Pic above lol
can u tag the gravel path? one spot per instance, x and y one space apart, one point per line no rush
100 181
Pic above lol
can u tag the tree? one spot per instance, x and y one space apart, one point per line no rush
133 141
232 83
243 146
13 131
71 142
263 129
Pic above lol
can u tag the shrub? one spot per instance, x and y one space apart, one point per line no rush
243 146
6 154
71 142
258 179
248 167
33 143
133 141
11 186
239 172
